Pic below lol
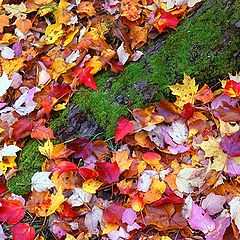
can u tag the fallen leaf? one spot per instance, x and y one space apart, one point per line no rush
124 127
235 211
79 197
24 25
213 203
41 181
200 220
23 231
5 83
92 219
108 172
185 92
11 211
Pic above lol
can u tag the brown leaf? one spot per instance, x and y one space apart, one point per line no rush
139 37
165 217
169 111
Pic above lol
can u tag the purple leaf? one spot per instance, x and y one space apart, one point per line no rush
233 169
200 220
222 222
129 216
231 144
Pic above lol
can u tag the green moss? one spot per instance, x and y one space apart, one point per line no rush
29 162
205 46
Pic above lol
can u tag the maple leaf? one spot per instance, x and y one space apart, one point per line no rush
185 92
39 131
92 219
4 21
85 77
124 127
113 213
23 231
9 150
200 220
11 211
79 197
231 144
108 172
41 181
232 88
5 83
165 20
56 201
21 128
47 149
66 166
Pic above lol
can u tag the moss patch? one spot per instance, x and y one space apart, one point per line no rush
205 46
29 162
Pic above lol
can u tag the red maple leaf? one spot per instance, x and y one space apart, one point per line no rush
21 128
188 110
108 172
66 166
232 88
41 132
124 127
165 20
85 77
11 211
23 231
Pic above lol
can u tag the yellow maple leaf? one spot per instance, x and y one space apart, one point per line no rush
155 192
7 162
95 64
53 32
213 149
122 160
8 38
62 16
59 66
56 201
185 92
227 128
47 149
12 65
91 186
210 147
70 37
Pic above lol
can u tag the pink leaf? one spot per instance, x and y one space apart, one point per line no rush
200 220
129 216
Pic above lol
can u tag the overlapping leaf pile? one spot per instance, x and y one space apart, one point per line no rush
174 176
49 48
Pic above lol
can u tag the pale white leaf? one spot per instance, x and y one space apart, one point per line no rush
145 180
213 203
7 53
5 83
178 131
9 151
122 54
79 197
92 219
41 181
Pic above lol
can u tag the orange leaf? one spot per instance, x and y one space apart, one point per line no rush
24 25
4 21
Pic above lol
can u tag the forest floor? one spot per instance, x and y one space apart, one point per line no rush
108 156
